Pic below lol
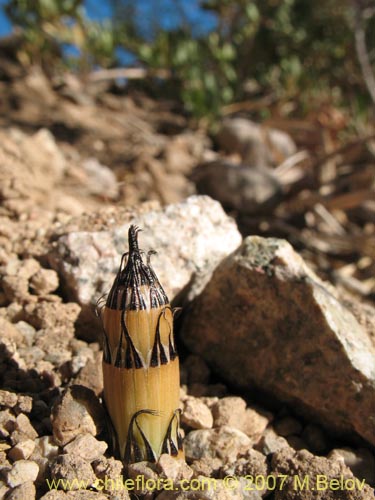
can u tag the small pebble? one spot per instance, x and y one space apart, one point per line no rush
22 450
25 491
86 447
196 414
78 411
73 469
229 411
21 472
44 281
224 442
271 442
170 468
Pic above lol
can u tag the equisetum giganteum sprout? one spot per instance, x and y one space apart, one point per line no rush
140 362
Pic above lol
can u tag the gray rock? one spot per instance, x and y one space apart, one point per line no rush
22 472
78 411
256 144
250 190
190 237
222 442
270 442
100 179
265 305
361 462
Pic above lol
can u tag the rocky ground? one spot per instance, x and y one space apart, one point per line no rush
277 352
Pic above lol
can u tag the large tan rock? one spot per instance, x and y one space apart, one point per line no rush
265 320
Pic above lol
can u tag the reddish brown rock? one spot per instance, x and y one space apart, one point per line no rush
266 320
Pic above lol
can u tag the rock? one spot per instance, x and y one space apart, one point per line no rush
7 423
44 281
45 451
4 490
146 472
23 429
114 486
24 404
93 495
287 425
197 370
278 305
256 144
255 423
326 478
74 469
252 464
22 450
223 442
44 157
10 332
25 491
22 472
232 411
77 495
100 180
46 447
206 488
108 469
207 466
55 495
78 411
250 190
27 331
196 414
170 468
8 399
229 411
190 237
270 442
43 316
361 462
86 447
91 375
315 439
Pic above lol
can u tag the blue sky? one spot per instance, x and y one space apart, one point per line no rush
201 21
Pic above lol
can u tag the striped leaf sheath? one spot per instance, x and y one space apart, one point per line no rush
140 362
